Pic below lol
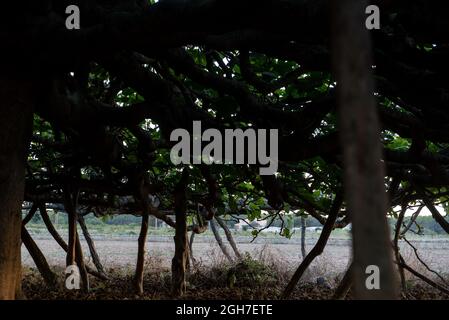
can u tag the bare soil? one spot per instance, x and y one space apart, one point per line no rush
117 252
209 278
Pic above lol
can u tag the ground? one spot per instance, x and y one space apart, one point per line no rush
273 259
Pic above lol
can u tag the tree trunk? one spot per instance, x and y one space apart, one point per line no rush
79 257
70 206
317 249
138 278
51 229
217 236
192 258
229 237
303 237
360 139
75 251
397 233
30 214
16 121
435 213
91 244
39 259
181 239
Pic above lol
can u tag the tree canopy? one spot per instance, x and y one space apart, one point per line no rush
105 99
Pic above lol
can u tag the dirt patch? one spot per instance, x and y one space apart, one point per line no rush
213 277
202 285
119 253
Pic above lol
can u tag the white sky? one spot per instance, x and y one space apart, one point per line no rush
424 211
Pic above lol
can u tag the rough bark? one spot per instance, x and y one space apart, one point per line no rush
229 237
362 153
16 114
181 240
217 236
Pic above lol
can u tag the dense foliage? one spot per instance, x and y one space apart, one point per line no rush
108 96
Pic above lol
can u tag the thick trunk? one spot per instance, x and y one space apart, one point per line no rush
360 138
16 115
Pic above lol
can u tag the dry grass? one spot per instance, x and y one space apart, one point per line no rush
258 276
